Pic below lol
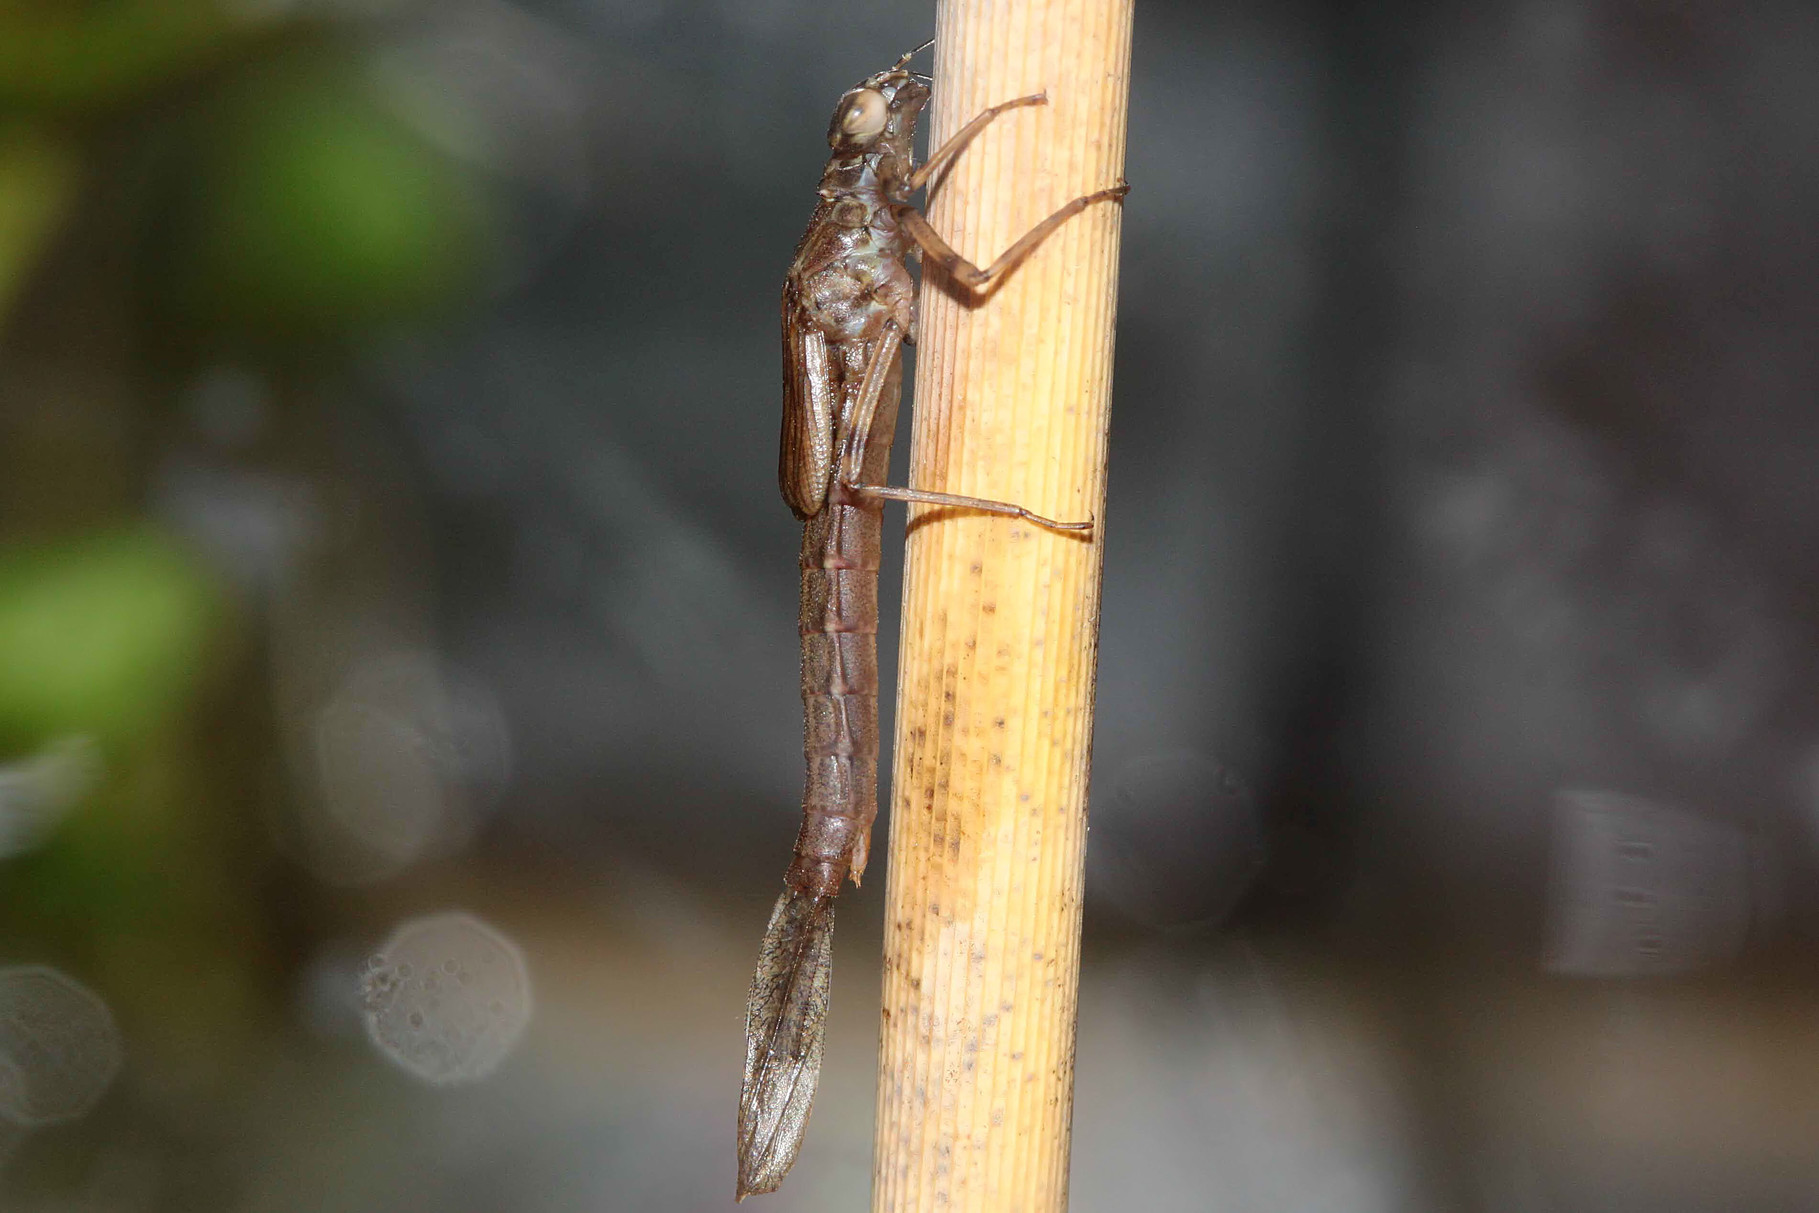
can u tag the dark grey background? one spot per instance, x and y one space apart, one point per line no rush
1461 462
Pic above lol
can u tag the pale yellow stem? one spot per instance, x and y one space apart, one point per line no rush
1000 623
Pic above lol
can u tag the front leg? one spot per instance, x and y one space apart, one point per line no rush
978 280
947 151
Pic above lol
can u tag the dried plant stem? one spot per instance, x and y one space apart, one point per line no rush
1000 623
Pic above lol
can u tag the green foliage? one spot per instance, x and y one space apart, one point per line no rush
103 636
319 213
39 171
57 53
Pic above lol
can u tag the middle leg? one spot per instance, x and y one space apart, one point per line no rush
936 249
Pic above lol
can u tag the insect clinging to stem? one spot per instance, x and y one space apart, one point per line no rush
848 308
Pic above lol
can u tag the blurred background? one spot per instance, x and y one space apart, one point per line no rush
393 586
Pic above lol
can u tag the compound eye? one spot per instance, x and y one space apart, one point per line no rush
864 115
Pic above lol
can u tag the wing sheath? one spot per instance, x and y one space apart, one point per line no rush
811 392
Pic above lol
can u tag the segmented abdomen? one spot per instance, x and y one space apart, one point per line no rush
839 626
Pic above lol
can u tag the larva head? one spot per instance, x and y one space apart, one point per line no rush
879 113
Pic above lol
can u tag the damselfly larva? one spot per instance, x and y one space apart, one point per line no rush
848 307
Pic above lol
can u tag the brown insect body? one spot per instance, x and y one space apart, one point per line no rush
848 303
847 294
848 307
